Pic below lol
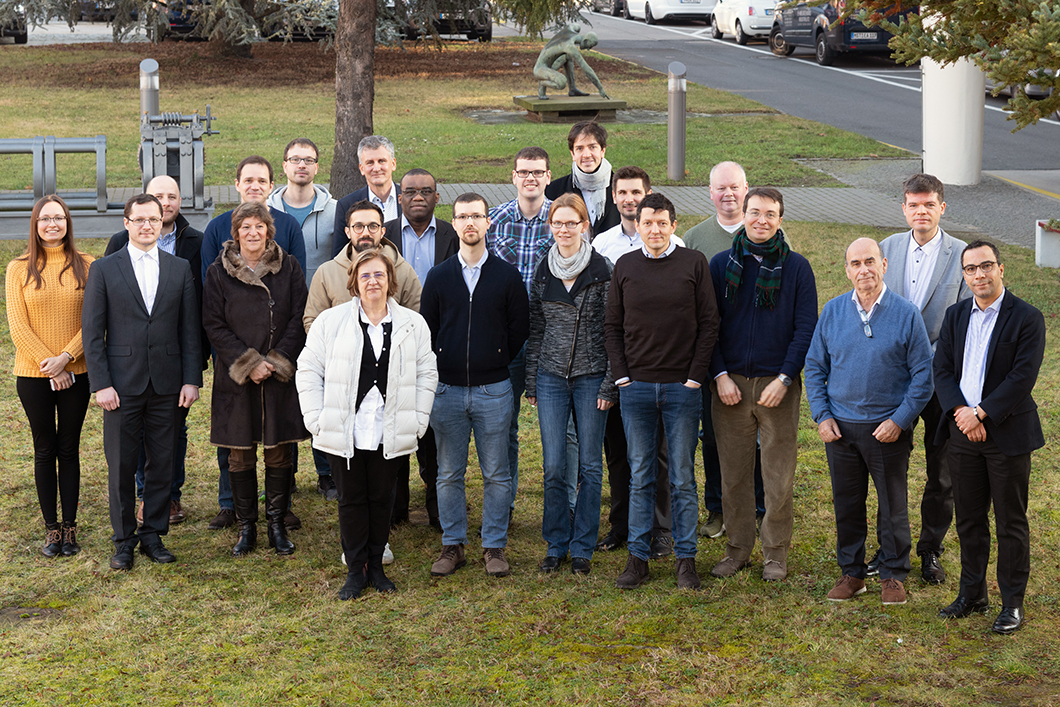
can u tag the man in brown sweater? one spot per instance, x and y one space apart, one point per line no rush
662 321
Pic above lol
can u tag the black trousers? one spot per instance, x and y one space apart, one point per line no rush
853 459
427 458
366 498
618 475
151 418
56 457
983 475
936 507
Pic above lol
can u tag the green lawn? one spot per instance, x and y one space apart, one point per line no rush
266 630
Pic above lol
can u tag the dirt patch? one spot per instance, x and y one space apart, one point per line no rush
277 65
21 614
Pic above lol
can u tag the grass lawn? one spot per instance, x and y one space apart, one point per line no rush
263 630
284 92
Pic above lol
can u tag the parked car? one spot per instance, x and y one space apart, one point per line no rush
474 24
819 27
654 11
15 27
615 8
743 19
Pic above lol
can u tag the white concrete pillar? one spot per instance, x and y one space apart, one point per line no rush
953 102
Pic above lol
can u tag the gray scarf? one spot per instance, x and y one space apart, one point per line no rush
569 268
594 188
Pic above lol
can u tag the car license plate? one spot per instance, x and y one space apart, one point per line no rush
690 2
769 11
856 36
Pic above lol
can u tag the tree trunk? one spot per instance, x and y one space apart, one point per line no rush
354 90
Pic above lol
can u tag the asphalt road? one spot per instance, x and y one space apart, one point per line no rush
866 95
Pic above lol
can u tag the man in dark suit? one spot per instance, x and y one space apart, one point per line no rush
376 161
924 266
989 353
140 326
180 239
590 176
424 241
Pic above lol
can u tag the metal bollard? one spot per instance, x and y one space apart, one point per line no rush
675 122
149 87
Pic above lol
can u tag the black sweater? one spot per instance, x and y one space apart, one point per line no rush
475 337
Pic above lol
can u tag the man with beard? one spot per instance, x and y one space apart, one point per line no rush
311 205
590 176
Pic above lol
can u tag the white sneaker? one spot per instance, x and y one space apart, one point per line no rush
388 556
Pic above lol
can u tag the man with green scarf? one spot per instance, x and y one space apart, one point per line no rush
767 299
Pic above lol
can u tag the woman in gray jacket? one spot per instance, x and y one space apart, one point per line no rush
567 370
366 382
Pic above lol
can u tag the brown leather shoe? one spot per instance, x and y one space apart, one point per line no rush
727 567
892 592
687 577
635 574
496 562
451 559
846 588
176 513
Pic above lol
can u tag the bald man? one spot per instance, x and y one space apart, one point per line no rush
179 239
868 376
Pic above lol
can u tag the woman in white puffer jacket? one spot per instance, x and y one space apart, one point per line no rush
366 380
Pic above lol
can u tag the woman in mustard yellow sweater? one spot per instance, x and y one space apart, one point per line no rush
45 289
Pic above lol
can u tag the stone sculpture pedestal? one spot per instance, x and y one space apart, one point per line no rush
569 109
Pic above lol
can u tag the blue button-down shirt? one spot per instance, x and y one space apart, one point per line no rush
419 250
519 240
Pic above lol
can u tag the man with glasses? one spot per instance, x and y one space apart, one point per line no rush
425 241
519 234
311 205
868 376
989 353
180 239
140 325
767 298
478 312
254 184
376 162
925 268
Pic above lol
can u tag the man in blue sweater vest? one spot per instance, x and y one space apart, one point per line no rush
767 298
868 376
479 314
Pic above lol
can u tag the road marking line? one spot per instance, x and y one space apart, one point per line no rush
1043 192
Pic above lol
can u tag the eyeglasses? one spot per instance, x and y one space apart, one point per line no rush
867 329
369 276
987 267
568 225
252 227
755 214
535 173
471 217
411 193
309 161
51 219
154 221
372 228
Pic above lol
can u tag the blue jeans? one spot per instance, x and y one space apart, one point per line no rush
517 377
180 451
677 408
486 410
556 396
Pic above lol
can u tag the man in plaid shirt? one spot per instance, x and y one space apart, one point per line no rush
519 234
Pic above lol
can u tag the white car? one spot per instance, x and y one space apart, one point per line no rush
743 19
652 11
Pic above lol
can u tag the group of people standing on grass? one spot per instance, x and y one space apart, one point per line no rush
379 331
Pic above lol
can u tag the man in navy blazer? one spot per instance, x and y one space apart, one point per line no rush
376 162
989 353
924 267
140 326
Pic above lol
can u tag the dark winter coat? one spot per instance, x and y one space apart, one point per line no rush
253 316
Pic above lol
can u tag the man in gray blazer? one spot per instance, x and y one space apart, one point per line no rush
140 327
924 266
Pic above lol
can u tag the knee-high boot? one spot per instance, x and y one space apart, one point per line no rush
245 500
277 496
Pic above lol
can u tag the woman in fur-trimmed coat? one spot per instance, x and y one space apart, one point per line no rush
253 300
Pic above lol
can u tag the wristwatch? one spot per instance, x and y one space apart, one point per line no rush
784 380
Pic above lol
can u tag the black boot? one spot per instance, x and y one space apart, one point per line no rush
245 500
355 584
277 496
53 540
377 578
70 546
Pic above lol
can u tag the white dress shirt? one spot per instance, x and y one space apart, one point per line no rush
919 265
866 316
390 206
614 243
976 344
145 265
368 423
471 272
